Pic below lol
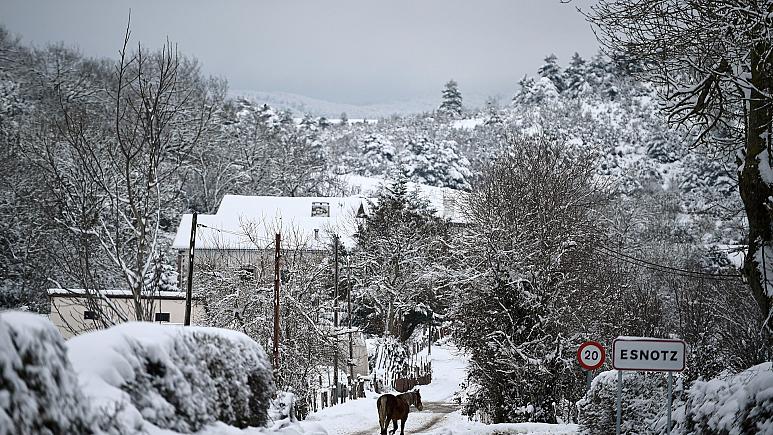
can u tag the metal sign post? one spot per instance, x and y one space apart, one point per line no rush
619 402
590 355
647 354
670 402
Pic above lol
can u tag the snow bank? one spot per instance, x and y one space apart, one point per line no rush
38 389
458 424
136 378
733 404
175 378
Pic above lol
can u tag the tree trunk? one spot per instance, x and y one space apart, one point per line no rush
755 191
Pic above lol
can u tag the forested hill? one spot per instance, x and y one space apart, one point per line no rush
237 147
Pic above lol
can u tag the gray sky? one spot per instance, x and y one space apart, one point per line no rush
349 51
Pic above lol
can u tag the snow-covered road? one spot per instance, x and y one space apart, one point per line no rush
360 417
441 415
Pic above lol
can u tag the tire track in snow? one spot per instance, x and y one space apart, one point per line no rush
437 411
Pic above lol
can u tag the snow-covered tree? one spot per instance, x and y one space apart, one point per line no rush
377 155
711 61
532 91
575 75
451 105
237 293
532 220
398 249
436 163
492 112
111 156
552 71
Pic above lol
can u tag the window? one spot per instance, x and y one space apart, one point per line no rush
320 209
162 317
89 315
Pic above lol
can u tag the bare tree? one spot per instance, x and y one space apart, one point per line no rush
713 64
235 287
111 158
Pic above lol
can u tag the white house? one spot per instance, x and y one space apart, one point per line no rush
244 228
74 311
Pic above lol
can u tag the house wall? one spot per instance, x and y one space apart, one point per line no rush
258 262
67 312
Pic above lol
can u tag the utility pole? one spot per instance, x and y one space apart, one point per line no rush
335 319
349 314
431 320
277 243
192 248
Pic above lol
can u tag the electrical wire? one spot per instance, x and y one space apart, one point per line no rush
663 268
241 234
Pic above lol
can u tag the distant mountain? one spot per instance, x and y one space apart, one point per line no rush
300 104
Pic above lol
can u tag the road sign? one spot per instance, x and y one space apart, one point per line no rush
648 354
591 355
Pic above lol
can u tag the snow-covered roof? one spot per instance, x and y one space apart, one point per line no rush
251 222
114 293
447 202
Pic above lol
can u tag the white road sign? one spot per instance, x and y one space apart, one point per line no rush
648 354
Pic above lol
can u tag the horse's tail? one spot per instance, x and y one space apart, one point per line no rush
381 403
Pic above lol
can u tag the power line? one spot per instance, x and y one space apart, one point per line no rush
663 268
241 234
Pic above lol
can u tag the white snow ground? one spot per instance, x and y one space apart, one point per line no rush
441 416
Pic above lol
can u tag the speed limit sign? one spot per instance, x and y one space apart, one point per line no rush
591 355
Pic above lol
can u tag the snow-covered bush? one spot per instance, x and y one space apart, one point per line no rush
175 378
39 392
733 405
642 400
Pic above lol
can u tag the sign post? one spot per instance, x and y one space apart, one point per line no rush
619 402
647 354
590 355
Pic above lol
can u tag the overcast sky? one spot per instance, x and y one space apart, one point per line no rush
349 51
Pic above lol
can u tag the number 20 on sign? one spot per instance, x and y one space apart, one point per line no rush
591 355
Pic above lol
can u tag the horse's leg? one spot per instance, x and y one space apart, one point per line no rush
402 425
394 426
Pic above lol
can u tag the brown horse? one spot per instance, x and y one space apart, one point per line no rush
391 407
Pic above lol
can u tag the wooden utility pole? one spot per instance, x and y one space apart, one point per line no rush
349 314
277 243
192 249
431 320
335 320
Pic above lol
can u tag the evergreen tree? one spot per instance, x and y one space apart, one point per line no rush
574 76
552 71
398 251
452 100
492 112
436 163
377 155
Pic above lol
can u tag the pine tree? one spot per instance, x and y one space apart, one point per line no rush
452 100
574 76
552 71
398 251
492 111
